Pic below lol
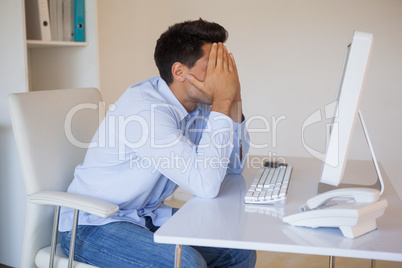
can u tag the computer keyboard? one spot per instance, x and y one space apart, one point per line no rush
270 185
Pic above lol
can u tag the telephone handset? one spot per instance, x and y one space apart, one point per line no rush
353 210
360 195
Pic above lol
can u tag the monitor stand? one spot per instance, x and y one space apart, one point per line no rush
379 184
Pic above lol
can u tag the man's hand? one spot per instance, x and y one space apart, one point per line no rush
221 83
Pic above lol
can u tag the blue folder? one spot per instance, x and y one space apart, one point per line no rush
79 20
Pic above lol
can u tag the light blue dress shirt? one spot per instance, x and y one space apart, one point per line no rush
147 146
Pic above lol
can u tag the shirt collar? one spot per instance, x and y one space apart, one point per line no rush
196 111
165 91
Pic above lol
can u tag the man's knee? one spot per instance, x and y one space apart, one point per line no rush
250 257
192 258
243 258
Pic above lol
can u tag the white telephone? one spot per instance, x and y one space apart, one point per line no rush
353 210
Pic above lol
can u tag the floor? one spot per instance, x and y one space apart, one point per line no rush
284 260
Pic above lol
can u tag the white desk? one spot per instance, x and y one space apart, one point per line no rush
226 222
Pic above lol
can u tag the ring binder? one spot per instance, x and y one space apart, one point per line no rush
37 20
80 20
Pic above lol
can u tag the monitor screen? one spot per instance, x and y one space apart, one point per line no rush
346 107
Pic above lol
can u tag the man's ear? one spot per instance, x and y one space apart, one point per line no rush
179 71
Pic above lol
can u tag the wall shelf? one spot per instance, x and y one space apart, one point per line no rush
49 44
56 64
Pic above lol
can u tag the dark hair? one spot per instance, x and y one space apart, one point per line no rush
183 43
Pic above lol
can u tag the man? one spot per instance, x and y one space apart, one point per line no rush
185 129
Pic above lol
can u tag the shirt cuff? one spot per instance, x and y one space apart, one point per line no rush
221 121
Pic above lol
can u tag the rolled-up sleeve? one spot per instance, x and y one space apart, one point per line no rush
241 148
198 169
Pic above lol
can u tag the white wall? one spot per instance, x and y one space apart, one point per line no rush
12 191
289 55
14 78
127 34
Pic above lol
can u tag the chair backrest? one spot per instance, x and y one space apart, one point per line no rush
52 130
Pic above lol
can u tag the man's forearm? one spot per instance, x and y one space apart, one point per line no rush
222 106
236 112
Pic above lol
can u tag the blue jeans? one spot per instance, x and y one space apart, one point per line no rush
124 244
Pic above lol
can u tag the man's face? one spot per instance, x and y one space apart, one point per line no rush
199 71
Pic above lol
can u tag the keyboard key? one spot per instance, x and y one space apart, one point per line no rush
283 192
275 194
270 185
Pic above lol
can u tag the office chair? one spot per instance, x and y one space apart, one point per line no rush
52 130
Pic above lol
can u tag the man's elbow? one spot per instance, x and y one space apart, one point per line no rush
210 190
234 171
208 193
212 194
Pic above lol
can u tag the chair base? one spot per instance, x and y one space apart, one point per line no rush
60 259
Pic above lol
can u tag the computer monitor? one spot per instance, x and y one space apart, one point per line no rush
346 111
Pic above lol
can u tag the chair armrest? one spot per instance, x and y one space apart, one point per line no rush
84 203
